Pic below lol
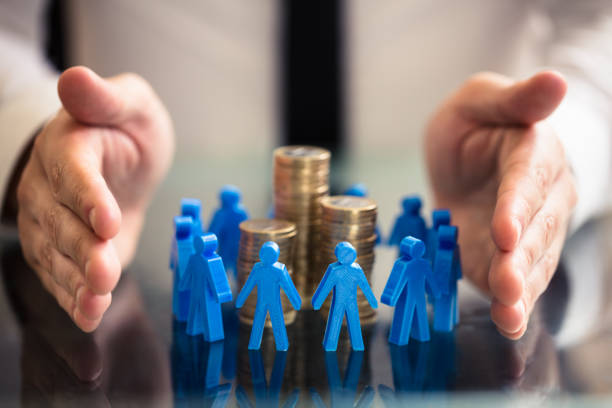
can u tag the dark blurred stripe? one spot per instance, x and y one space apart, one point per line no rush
312 72
55 39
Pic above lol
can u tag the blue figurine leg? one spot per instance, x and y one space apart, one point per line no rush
278 327
334 325
195 322
443 313
420 329
402 320
214 321
455 303
184 301
258 327
354 327
175 294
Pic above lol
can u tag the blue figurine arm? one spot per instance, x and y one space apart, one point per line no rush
217 279
247 288
433 284
396 282
325 286
366 289
188 276
216 223
458 269
290 290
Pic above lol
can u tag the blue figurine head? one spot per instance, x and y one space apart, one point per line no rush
229 196
447 236
357 190
205 244
345 253
412 247
269 253
440 217
182 226
191 207
411 205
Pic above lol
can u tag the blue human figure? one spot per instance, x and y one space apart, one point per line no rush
266 394
206 277
269 276
192 207
343 277
342 393
225 225
360 190
446 270
405 289
439 217
409 223
182 249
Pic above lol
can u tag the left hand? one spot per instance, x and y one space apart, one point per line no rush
502 171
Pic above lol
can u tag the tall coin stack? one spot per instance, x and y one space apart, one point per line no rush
253 234
301 179
352 219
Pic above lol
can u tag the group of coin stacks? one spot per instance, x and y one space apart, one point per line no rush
352 219
301 179
253 234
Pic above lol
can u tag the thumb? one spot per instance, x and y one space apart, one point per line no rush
496 99
93 100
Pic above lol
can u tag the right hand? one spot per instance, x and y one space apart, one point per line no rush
84 191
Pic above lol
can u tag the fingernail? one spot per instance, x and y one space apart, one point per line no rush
79 294
92 217
522 309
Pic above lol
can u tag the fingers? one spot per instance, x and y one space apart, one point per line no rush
517 278
533 164
71 165
495 99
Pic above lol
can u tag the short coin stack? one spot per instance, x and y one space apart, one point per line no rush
352 219
253 234
301 178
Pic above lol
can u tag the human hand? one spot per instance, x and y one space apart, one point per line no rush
84 191
502 172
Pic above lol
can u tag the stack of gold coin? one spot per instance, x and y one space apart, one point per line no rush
352 219
301 178
253 234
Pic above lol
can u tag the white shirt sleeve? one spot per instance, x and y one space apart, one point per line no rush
28 97
580 47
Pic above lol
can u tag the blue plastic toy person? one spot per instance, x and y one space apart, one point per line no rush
410 222
225 224
439 217
447 270
360 190
269 276
182 249
191 207
405 289
343 277
206 277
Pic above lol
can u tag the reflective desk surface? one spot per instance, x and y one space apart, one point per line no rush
141 356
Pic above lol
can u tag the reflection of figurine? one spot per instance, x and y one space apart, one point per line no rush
409 223
405 289
182 249
225 225
360 190
206 277
442 366
342 393
343 277
447 270
266 395
196 370
410 367
269 276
